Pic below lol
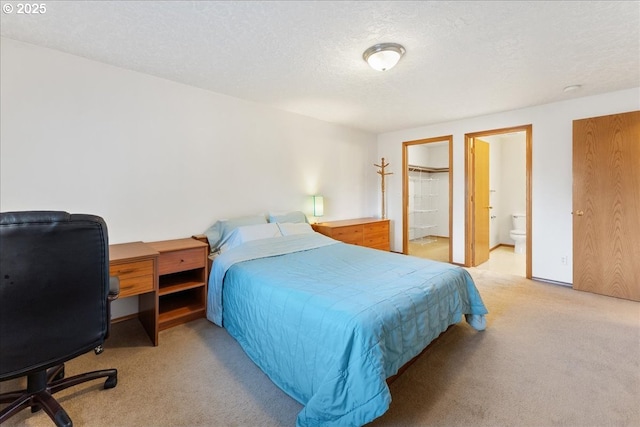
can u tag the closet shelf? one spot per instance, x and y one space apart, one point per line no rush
423 203
423 179
423 227
415 168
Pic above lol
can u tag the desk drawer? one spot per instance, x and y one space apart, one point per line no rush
135 277
174 262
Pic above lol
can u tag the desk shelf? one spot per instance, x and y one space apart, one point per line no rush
182 289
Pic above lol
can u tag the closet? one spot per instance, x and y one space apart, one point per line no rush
426 195
423 203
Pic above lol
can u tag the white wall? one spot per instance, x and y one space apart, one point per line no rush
162 160
495 190
508 183
513 196
551 175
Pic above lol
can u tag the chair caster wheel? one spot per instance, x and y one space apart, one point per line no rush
111 382
61 419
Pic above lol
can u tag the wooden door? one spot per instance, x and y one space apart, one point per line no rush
481 206
606 205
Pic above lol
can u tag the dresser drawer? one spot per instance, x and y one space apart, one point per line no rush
174 262
351 235
382 246
135 277
376 227
377 239
370 232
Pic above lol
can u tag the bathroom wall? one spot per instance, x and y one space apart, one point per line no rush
513 198
495 188
508 183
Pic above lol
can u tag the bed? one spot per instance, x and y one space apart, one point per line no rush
329 322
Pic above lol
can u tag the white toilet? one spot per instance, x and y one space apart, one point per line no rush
519 232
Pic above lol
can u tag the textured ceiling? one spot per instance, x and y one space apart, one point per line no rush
463 59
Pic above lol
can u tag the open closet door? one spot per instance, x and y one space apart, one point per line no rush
606 205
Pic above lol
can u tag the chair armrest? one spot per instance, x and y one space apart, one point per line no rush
114 287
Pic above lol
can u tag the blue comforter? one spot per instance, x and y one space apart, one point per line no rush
329 322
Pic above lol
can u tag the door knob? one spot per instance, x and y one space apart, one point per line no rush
489 207
579 213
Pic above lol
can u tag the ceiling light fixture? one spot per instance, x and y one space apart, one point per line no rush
571 88
383 56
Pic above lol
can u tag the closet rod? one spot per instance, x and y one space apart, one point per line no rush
414 168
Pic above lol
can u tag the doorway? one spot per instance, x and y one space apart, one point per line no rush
487 222
427 195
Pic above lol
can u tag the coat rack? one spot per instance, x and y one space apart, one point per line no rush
382 173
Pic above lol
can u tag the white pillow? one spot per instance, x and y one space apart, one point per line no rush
222 229
247 233
289 228
295 216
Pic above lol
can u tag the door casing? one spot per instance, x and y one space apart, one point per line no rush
405 189
470 196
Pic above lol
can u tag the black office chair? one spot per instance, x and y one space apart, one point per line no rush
55 295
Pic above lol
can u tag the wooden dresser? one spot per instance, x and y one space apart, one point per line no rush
370 232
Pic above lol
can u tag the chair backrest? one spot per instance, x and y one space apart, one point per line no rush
54 285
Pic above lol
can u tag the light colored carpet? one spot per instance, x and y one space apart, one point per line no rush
550 356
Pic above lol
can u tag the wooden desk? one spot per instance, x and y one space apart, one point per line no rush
136 265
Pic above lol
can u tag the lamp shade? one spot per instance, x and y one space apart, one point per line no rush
318 205
383 56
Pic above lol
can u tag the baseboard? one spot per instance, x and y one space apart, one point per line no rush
506 245
124 318
553 282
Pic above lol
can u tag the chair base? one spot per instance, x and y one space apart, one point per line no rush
42 385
